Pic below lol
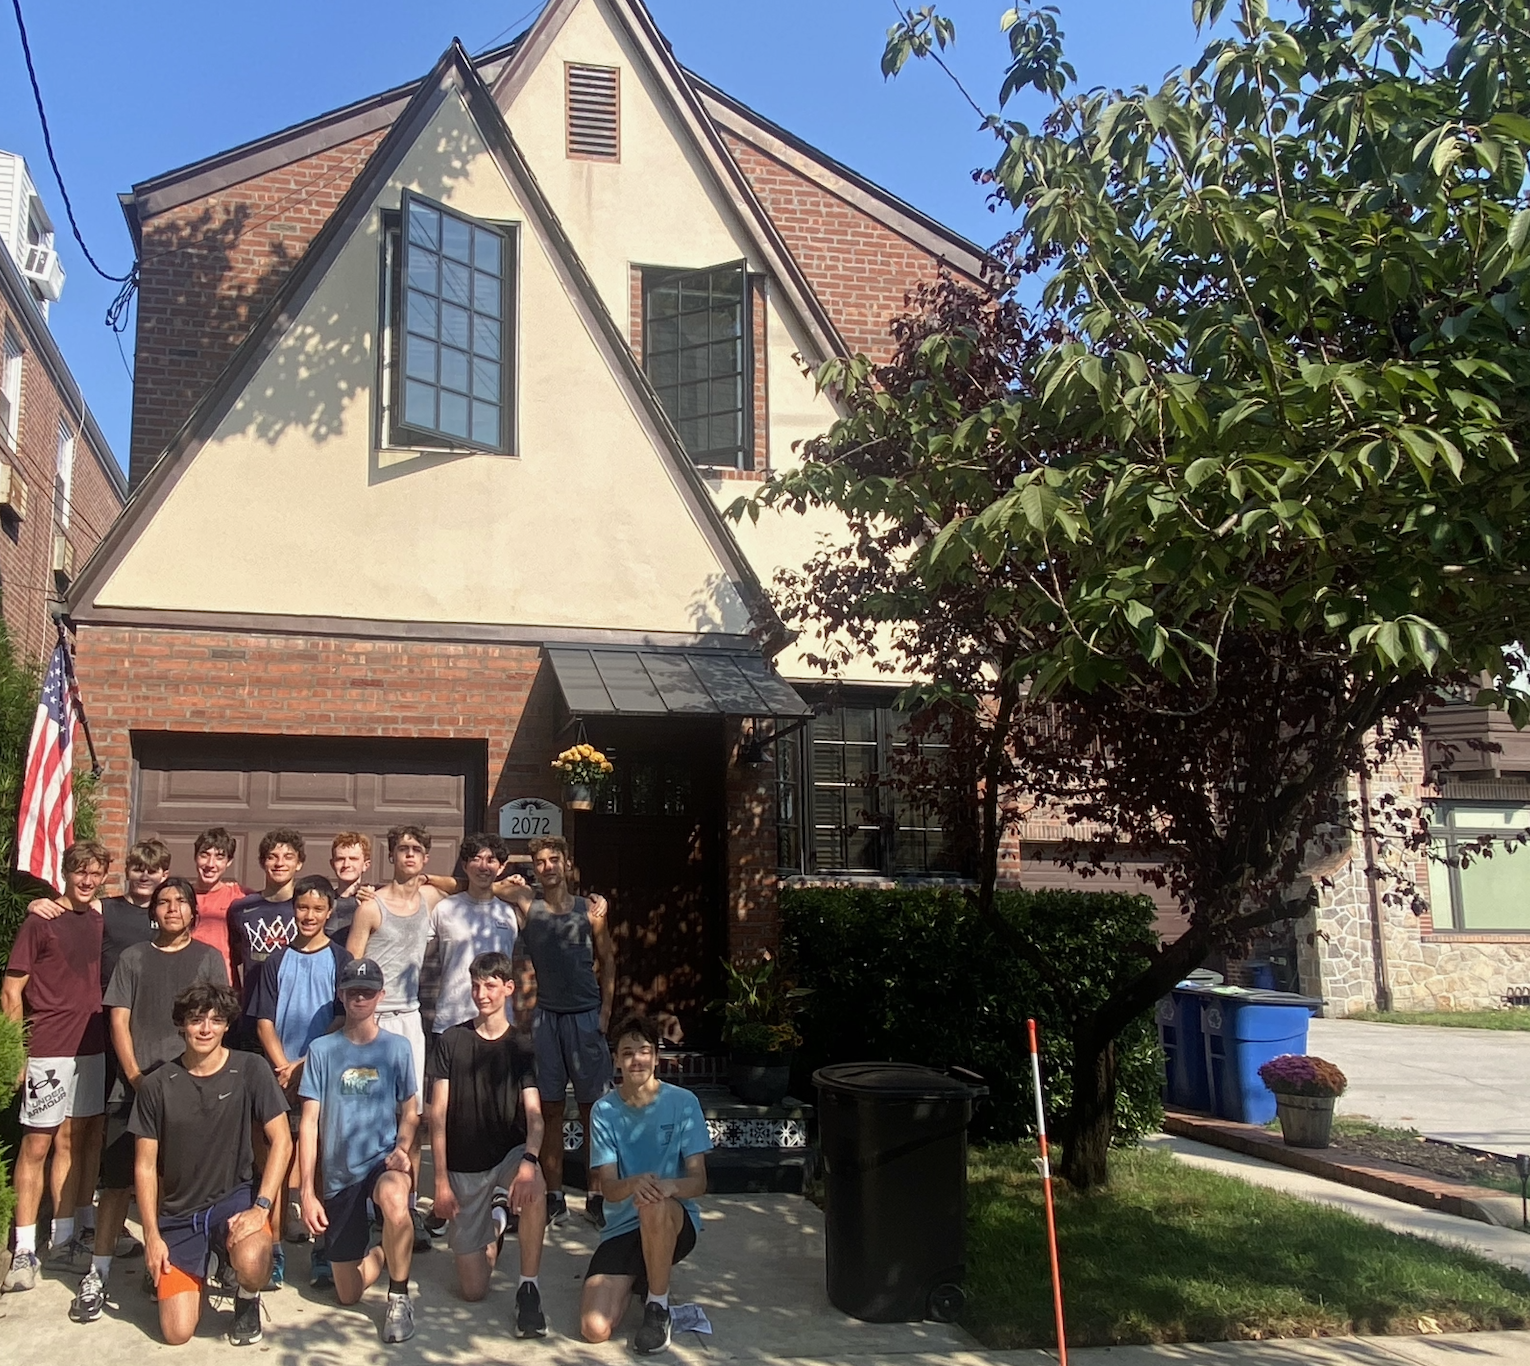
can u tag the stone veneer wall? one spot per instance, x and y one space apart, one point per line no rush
1427 969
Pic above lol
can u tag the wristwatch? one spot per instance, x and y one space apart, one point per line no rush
532 1158
262 1203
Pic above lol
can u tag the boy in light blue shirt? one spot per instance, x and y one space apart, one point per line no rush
648 1145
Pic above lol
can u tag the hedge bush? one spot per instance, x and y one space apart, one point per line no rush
12 1054
916 975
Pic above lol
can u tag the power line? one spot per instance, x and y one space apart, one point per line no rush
129 282
508 28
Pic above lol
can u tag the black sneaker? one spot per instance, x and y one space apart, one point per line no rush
435 1225
595 1209
653 1335
530 1321
557 1208
421 1233
91 1299
245 1330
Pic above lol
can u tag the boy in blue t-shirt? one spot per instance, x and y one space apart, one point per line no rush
358 1093
648 1144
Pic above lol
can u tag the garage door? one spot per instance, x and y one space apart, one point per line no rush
251 784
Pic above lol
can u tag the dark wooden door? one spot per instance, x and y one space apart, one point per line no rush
654 848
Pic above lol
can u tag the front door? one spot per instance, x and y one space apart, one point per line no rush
653 847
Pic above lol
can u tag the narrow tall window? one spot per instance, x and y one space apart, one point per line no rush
63 480
593 108
449 350
10 388
696 351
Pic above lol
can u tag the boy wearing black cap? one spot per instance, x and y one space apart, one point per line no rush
358 1092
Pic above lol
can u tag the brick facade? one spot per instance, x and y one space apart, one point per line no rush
861 270
27 584
209 268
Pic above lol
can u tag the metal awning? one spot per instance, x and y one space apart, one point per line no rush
678 683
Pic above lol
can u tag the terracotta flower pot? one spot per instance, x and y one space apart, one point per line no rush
579 797
1305 1121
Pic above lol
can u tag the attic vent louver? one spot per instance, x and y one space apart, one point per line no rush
593 100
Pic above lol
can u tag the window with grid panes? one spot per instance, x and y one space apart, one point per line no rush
696 350
1489 893
836 811
451 383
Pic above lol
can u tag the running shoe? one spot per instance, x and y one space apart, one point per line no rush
320 1275
128 1246
595 1209
245 1330
23 1272
398 1326
530 1321
72 1256
435 1225
421 1233
653 1334
90 1300
557 1208
278 1268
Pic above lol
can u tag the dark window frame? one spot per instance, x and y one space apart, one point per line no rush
656 278
1452 833
395 432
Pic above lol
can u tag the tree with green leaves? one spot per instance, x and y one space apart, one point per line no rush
1203 532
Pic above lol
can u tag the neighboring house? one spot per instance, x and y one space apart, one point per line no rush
439 398
60 484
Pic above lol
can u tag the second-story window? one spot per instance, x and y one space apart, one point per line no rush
696 350
449 353
10 389
63 480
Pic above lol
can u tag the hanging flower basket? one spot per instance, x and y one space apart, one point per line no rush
583 768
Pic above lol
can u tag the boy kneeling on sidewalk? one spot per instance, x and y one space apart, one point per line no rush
649 1143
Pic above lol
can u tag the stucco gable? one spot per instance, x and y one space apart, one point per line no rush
275 502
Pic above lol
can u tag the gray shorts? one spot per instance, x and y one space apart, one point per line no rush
473 1228
571 1048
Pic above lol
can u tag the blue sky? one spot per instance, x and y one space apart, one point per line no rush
136 89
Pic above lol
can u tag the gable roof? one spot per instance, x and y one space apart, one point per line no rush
454 72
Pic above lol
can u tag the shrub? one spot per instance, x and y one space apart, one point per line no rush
915 975
1301 1074
13 1052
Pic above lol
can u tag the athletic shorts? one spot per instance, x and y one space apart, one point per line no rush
473 1228
119 1146
190 1237
570 1048
57 1089
407 1025
623 1255
350 1226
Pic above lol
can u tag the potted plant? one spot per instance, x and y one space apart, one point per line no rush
759 1013
583 768
1305 1091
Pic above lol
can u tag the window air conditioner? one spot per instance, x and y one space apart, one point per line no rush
41 266
63 557
13 492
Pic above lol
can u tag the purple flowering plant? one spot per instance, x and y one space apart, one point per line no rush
1301 1074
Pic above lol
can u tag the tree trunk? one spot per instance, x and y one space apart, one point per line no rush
1091 1116
993 770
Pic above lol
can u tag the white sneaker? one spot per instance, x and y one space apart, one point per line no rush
23 1273
398 1326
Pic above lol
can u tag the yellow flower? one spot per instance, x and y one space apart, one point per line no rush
605 766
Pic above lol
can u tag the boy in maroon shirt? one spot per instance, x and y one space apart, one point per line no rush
53 983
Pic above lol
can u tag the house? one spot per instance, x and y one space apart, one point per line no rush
438 400
60 484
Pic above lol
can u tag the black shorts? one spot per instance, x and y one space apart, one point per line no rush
350 1226
623 1255
188 1237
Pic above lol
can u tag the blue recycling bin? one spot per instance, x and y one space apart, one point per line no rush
1244 1029
1186 1086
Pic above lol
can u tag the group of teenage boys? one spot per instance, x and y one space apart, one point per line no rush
258 1064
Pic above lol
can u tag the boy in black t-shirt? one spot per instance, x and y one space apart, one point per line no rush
486 1134
193 1118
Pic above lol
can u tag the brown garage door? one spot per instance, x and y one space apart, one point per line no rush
251 784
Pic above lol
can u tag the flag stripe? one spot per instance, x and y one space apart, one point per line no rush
45 825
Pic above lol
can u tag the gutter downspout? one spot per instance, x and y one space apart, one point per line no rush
1373 892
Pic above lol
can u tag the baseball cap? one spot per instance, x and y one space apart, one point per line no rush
360 972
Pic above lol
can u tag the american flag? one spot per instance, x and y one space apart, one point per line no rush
45 827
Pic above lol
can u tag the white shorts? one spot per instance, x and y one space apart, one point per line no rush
406 1024
57 1089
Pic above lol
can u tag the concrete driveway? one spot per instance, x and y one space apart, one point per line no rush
1468 1086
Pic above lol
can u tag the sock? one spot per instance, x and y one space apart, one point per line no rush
531 1280
26 1239
501 1220
661 1300
103 1266
242 1294
398 1287
63 1231
85 1218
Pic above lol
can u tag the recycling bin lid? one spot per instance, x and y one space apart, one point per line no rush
899 1081
1261 996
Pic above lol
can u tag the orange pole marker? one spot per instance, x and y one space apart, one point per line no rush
1044 1166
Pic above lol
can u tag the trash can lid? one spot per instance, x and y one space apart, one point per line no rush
1261 996
896 1081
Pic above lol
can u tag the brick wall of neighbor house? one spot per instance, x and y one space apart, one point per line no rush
27 584
209 268
133 679
860 269
1426 969
754 913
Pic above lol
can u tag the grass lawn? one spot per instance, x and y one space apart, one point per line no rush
1509 1018
1171 1254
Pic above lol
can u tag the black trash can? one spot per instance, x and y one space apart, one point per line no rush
894 1143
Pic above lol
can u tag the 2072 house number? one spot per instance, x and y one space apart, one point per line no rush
529 824
529 817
